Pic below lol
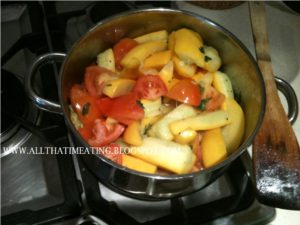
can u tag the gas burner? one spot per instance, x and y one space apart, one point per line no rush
14 106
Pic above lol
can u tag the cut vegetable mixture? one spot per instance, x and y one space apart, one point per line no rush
162 96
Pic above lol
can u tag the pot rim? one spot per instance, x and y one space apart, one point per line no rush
231 157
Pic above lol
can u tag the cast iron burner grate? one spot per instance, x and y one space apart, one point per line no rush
40 188
11 93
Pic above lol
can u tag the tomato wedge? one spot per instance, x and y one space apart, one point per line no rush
94 78
86 132
121 49
84 105
124 109
105 133
186 91
150 87
113 152
212 99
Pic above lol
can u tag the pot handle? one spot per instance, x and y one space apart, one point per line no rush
40 102
287 90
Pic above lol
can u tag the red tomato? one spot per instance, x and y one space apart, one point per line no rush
86 132
124 109
121 49
84 105
150 87
113 152
105 133
186 91
94 78
213 99
104 105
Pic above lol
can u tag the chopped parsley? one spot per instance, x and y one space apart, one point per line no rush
207 58
203 103
140 104
202 49
202 89
75 119
85 109
147 128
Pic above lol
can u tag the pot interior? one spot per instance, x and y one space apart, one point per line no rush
236 60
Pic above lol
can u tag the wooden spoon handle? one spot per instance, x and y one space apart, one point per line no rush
276 153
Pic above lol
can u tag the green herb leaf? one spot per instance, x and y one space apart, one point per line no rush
147 128
203 103
202 89
207 58
85 109
202 50
140 104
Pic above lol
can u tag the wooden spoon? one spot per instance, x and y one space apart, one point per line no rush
276 151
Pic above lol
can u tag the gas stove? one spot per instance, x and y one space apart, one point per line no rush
58 188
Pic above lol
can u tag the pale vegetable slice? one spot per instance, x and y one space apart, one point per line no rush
123 145
106 60
118 87
157 60
212 60
164 109
103 78
166 154
203 121
166 74
151 107
184 69
187 47
222 83
213 147
75 118
148 71
147 122
203 78
153 36
186 136
110 120
233 133
132 134
139 53
161 128
138 164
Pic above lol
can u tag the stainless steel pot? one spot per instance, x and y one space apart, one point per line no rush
237 63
